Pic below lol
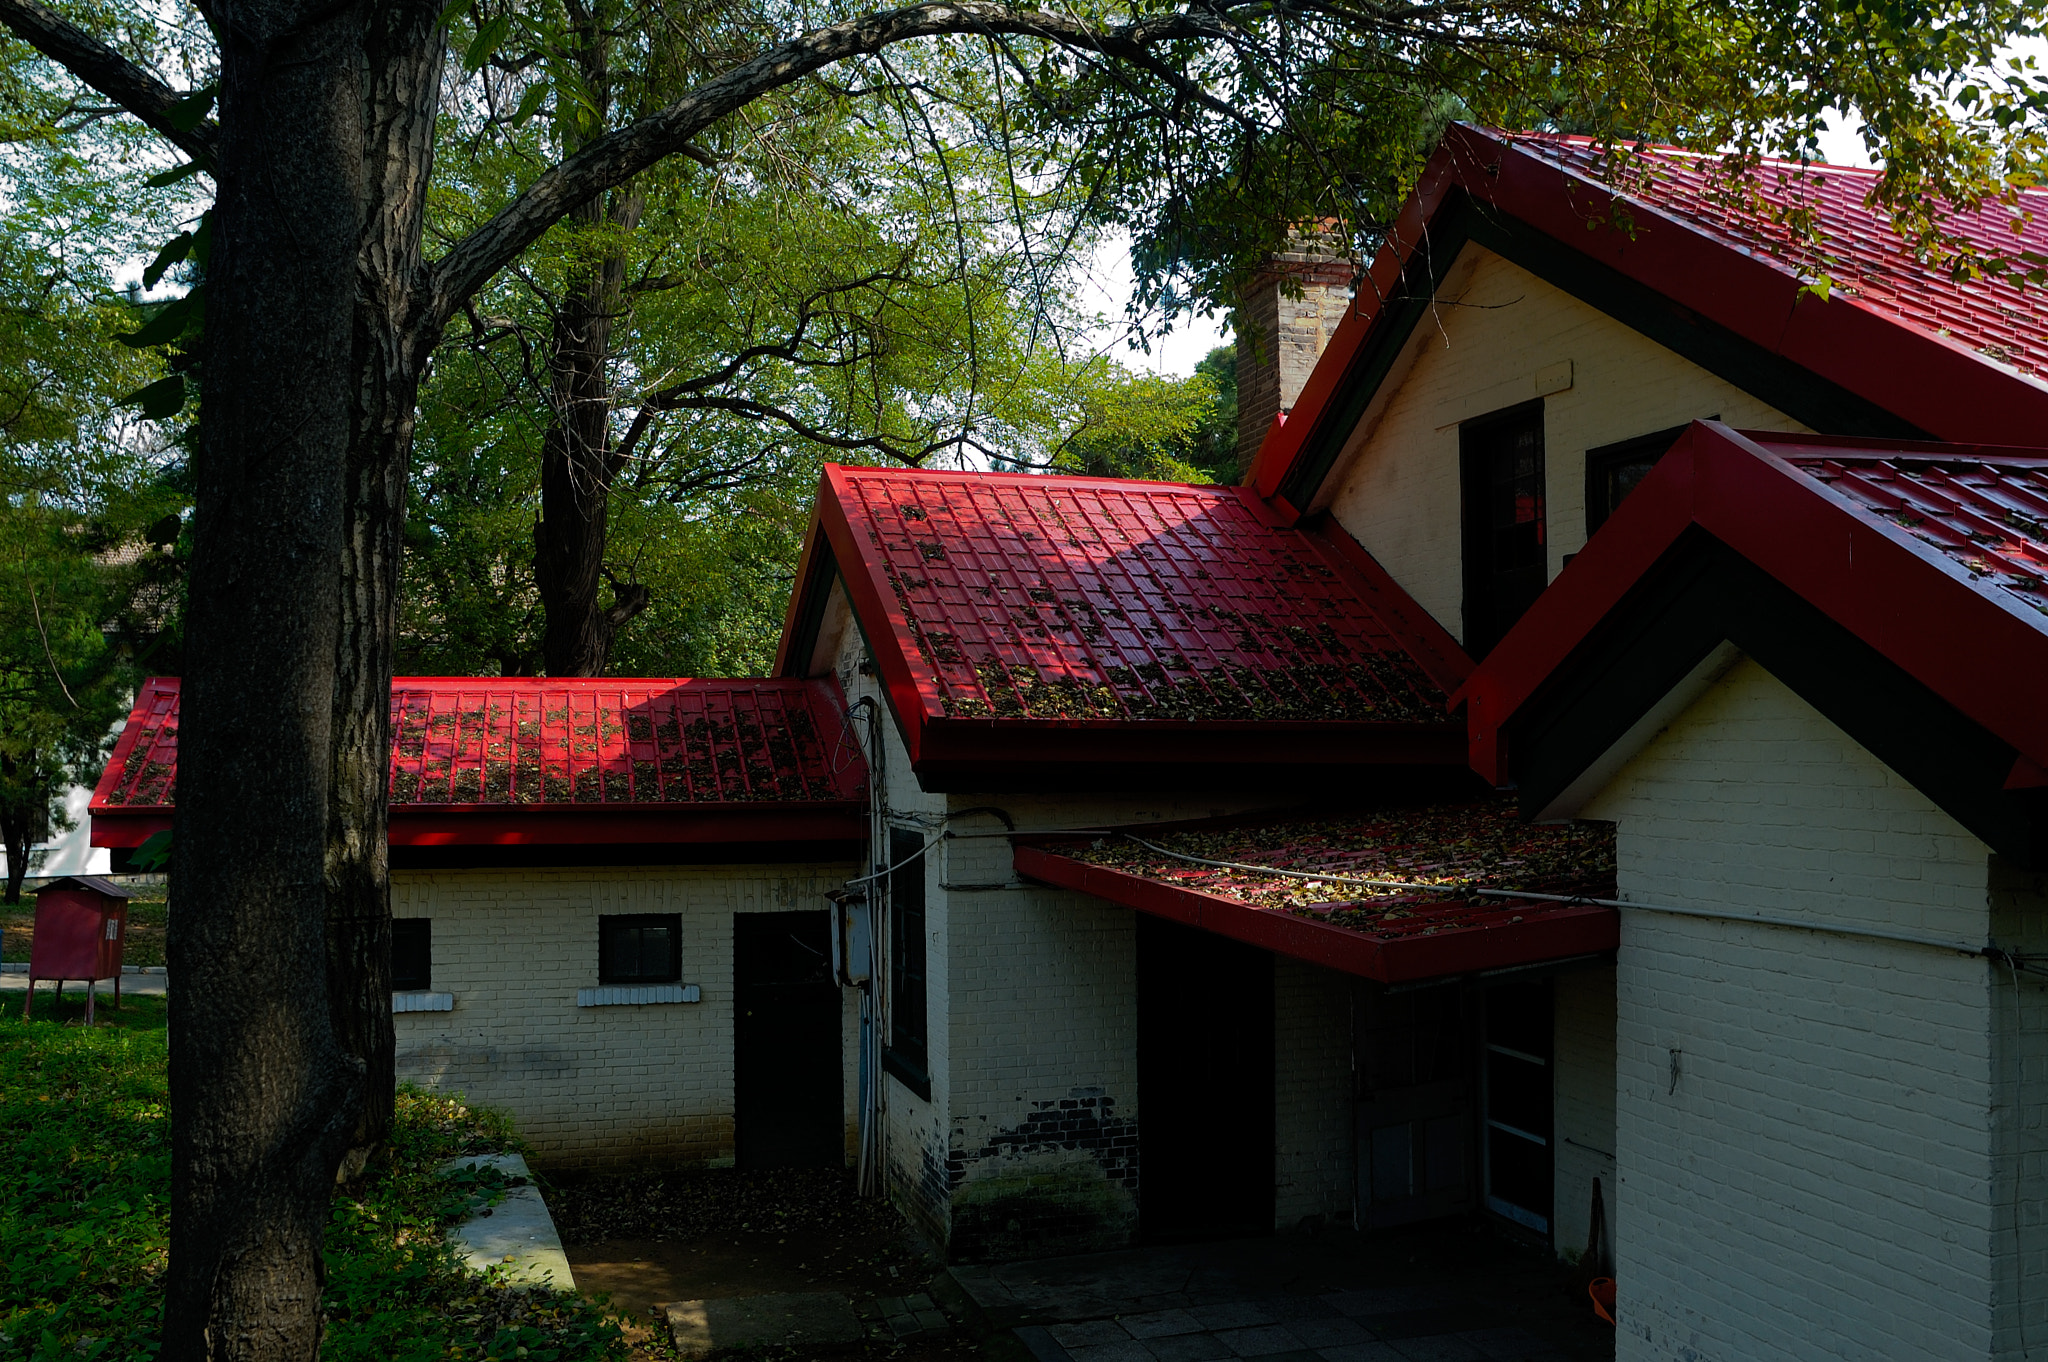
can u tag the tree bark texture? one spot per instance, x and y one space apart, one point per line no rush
577 458
263 1098
401 95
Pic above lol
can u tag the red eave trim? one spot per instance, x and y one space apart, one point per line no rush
1906 599
583 825
1201 742
1551 934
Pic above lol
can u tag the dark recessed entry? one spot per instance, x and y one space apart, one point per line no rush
1205 1084
787 1063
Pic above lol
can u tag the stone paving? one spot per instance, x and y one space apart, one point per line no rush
1289 1299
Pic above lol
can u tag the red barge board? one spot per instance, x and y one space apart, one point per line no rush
525 761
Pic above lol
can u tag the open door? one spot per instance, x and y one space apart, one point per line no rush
1205 1084
1415 1110
788 1067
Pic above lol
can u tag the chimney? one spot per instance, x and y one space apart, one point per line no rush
1279 338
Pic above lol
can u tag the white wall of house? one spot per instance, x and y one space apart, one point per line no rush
594 1086
1503 338
1030 1141
1825 1175
1583 1120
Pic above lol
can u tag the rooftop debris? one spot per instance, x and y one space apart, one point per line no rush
1451 848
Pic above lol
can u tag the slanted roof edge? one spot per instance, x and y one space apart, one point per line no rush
1929 380
1855 568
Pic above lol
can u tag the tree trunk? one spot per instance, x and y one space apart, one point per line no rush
14 837
401 99
577 466
264 1099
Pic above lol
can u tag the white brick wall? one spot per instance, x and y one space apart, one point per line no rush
1822 1180
2019 918
591 1086
1313 1159
1584 1119
1399 494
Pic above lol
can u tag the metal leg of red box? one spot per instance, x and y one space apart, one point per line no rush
117 993
92 988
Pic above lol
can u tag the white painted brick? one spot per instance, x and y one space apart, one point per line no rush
1828 1178
590 1086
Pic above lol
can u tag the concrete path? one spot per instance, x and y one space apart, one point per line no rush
1331 1298
135 981
517 1235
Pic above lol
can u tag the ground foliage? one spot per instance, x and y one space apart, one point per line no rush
84 1214
1451 848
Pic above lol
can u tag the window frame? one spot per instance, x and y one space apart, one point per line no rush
1604 459
907 1052
1483 625
425 929
608 923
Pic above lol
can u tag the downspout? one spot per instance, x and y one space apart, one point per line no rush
873 1103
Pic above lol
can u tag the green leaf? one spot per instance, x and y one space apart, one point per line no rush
154 853
188 112
174 174
161 400
202 239
175 250
530 102
177 317
488 40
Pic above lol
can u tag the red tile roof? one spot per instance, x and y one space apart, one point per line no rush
1392 935
1961 361
511 746
1870 265
1988 514
1009 602
1933 555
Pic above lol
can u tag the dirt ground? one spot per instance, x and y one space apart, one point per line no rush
651 1238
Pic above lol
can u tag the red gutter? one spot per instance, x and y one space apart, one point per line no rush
1905 598
1494 941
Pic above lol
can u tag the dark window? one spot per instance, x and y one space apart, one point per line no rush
412 954
906 1056
1506 567
1612 471
1518 1103
642 948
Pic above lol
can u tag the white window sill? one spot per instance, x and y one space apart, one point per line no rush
423 1002
623 995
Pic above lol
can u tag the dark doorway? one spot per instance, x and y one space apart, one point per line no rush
1413 1054
1506 558
1205 1084
788 1081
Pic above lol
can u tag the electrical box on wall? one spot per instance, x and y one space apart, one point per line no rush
853 948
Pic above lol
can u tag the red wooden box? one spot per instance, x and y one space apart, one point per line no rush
81 927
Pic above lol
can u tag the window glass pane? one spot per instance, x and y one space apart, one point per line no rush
906 949
1518 1093
642 948
1518 1172
412 954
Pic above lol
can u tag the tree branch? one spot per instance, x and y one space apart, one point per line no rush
108 72
617 157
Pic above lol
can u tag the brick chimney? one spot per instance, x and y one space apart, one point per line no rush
1279 338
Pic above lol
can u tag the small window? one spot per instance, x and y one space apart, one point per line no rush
1612 471
640 948
1506 555
412 954
906 1055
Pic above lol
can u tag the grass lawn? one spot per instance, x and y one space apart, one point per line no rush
84 1201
